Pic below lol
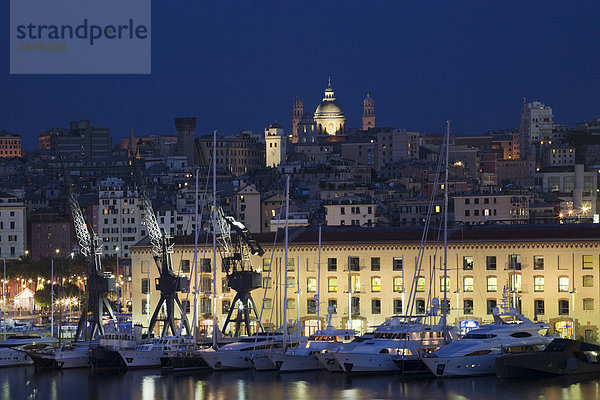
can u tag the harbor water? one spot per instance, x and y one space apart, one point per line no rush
27 384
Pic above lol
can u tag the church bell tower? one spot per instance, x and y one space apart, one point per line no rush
368 118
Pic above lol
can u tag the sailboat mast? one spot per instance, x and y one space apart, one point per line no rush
319 282
444 307
196 232
287 205
4 297
214 252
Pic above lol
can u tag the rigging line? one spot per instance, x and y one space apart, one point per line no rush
412 294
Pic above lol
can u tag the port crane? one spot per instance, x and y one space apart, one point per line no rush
235 251
168 283
99 283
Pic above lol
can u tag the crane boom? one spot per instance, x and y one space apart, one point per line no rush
99 283
168 283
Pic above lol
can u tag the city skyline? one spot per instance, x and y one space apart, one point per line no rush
423 63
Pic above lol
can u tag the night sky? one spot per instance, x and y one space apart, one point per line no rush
239 65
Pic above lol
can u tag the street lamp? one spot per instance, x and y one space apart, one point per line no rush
117 285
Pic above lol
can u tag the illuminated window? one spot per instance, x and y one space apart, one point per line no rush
311 285
446 286
266 264
587 261
420 284
398 284
376 284
332 285
355 283
468 284
563 284
538 283
266 283
492 284
468 263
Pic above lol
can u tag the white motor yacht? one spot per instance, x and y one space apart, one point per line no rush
327 358
239 355
394 342
13 350
475 353
302 357
68 355
147 355
106 354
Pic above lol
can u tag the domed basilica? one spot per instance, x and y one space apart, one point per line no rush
328 119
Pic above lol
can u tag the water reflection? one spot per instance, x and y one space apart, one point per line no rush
25 383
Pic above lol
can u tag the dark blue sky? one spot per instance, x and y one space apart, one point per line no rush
238 65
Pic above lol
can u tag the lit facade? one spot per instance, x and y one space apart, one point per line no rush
370 272
13 231
10 145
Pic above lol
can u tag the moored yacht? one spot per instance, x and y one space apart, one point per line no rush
13 350
303 357
148 355
560 357
393 340
238 355
475 353
68 355
327 357
106 354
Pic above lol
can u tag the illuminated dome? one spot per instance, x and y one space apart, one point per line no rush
329 115
329 108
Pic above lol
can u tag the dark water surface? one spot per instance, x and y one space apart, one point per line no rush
26 384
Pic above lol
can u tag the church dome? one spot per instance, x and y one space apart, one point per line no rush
329 108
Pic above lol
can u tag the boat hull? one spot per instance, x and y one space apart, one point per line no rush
101 358
13 358
462 366
191 362
61 360
544 364
329 362
366 363
296 363
225 360
141 359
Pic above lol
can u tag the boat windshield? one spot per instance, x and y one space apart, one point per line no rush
479 336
